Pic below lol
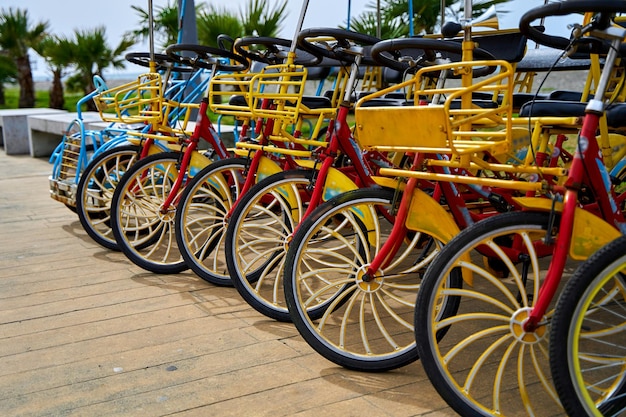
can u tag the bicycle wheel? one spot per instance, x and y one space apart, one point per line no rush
479 358
95 192
201 218
357 321
258 235
588 338
142 230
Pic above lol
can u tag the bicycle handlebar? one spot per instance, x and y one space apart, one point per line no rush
161 61
207 57
605 8
405 54
347 45
275 52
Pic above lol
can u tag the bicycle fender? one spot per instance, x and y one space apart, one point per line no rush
197 162
426 215
618 167
158 147
266 168
389 182
336 181
590 232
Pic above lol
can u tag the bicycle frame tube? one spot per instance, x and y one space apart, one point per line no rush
587 164
204 125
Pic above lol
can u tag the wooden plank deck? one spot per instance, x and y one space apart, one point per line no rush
83 332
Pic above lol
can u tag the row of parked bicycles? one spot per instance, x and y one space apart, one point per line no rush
424 207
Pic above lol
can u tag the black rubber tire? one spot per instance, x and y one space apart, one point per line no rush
566 340
154 226
341 284
267 295
201 191
102 171
483 323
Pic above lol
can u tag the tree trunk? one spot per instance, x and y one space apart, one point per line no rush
25 80
2 97
57 101
91 106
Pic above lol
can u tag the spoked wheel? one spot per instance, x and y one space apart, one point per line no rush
95 192
479 358
357 321
588 339
201 218
258 236
142 230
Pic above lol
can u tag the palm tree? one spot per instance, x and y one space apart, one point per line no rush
213 21
165 21
91 55
58 54
17 36
259 18
394 16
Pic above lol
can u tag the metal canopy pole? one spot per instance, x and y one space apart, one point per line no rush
378 24
443 14
349 14
151 35
294 43
411 17
187 30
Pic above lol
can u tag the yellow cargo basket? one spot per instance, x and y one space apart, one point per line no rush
442 119
242 95
449 121
139 101
179 122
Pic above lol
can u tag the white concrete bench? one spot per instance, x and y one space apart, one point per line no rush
46 131
14 128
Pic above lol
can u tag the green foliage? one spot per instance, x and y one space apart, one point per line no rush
17 33
91 54
55 50
395 20
215 20
165 21
41 99
17 36
261 20
257 18
368 23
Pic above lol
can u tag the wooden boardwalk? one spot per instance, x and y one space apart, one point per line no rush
83 332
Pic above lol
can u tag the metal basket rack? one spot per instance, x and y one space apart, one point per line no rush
140 101
446 121
276 93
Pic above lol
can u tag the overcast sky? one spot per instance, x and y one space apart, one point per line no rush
118 17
